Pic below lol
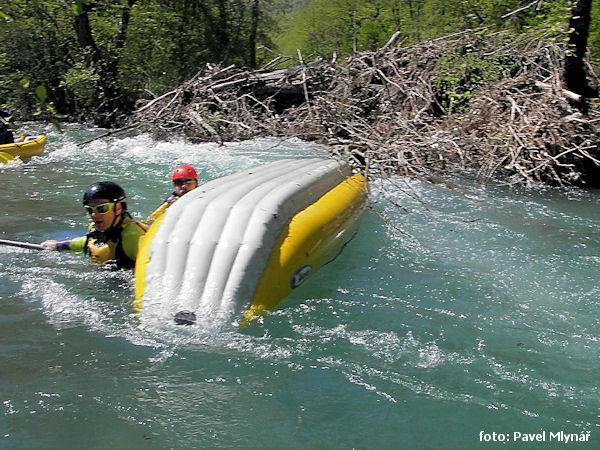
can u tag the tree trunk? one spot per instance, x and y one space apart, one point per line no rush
354 31
84 30
579 27
123 25
105 65
254 19
215 31
222 31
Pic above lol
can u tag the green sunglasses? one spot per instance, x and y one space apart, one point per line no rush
102 208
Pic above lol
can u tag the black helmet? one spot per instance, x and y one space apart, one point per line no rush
104 189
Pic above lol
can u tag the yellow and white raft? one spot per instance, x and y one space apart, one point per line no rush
23 148
236 246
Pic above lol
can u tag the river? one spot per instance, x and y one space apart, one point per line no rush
457 318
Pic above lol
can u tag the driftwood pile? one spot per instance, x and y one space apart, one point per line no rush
528 129
383 111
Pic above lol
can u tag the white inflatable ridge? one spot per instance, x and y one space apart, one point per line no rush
214 242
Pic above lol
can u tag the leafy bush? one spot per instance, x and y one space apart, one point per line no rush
82 83
459 74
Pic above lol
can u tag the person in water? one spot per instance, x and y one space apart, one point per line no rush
113 234
185 179
6 134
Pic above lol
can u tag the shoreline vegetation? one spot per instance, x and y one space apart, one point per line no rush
490 104
501 89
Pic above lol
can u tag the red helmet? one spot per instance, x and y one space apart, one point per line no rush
184 172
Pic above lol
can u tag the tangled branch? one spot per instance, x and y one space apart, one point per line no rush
385 110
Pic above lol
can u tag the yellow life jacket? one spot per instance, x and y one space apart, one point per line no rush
104 247
101 252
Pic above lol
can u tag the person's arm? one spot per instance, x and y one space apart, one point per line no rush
130 236
172 198
73 245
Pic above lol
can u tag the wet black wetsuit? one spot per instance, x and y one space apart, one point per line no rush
6 135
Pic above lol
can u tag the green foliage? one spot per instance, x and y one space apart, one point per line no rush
321 27
324 27
149 60
41 93
168 41
36 48
458 75
81 84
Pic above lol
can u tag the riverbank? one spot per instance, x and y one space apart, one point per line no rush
492 105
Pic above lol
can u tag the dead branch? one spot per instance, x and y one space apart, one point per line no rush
382 110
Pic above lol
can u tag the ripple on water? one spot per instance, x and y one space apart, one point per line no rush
449 305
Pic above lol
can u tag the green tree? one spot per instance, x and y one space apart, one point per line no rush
95 57
321 27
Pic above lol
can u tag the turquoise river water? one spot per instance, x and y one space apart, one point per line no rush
455 319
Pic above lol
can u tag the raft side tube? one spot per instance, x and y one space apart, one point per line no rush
314 237
269 217
232 238
170 242
261 214
208 252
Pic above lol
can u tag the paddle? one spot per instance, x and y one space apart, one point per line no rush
21 244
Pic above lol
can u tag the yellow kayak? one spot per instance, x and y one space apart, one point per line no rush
28 147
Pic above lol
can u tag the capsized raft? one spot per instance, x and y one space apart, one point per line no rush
234 247
30 146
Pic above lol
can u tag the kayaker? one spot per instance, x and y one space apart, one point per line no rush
6 134
113 234
185 179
